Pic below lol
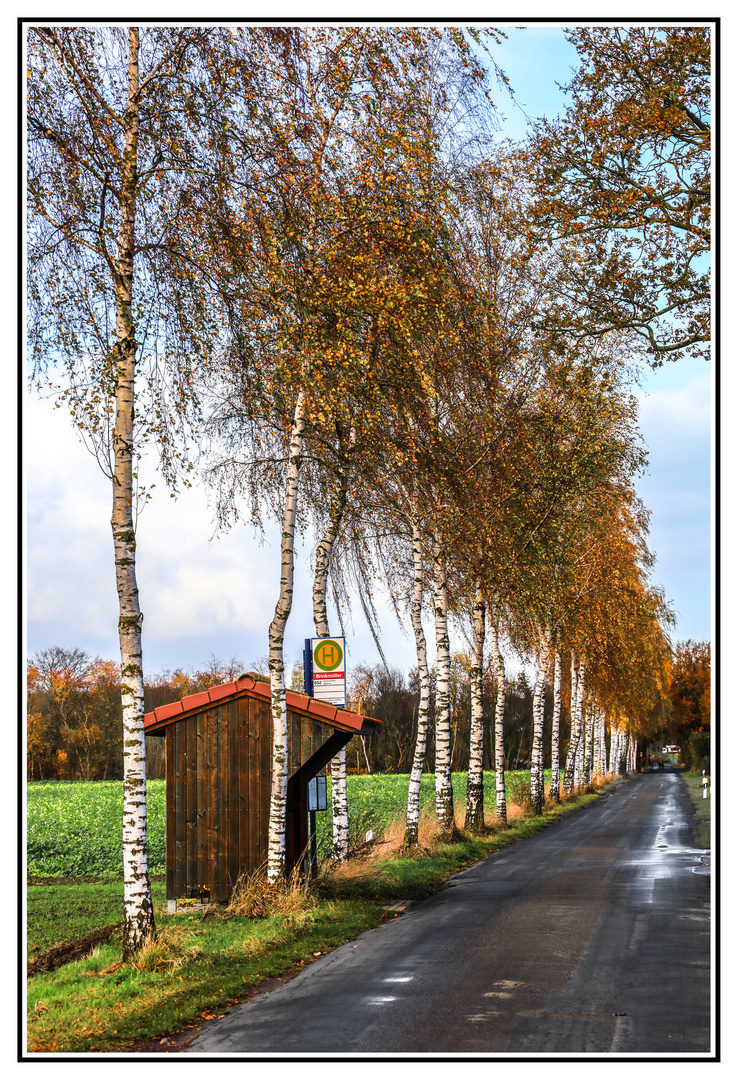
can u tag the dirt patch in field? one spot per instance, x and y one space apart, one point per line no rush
72 950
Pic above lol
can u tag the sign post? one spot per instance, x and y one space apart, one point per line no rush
307 666
317 800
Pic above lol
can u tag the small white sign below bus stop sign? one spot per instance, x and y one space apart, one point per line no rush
329 670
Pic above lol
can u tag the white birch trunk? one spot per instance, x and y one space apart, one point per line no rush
579 768
589 745
138 907
500 796
474 820
339 794
617 751
555 788
278 797
602 746
579 758
412 817
339 806
444 790
577 696
536 753
595 743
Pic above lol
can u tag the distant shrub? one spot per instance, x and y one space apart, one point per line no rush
698 751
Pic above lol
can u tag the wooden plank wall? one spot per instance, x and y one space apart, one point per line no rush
218 790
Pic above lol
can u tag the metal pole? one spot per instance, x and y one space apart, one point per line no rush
313 845
307 666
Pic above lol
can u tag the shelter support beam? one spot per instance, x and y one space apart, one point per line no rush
296 840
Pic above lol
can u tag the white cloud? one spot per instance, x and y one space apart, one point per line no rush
673 415
199 596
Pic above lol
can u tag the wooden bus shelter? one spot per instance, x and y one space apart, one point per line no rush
218 769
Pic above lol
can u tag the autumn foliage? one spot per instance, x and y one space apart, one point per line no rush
73 722
303 244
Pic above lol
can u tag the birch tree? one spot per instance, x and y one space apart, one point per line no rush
444 789
412 815
628 168
331 264
474 819
536 758
499 662
114 320
555 786
336 510
575 738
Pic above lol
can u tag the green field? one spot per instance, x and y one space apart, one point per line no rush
74 827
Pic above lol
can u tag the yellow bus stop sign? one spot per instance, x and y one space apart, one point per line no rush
328 655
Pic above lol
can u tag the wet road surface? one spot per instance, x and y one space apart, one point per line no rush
592 937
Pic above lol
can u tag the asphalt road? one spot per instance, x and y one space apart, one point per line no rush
592 937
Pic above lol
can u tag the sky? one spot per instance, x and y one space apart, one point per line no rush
204 596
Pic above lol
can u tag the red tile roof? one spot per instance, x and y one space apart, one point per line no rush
298 702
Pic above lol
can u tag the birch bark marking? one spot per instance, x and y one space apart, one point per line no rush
412 817
474 820
278 796
555 789
138 907
500 797
444 790
536 753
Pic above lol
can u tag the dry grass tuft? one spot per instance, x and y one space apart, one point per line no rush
162 951
361 864
255 897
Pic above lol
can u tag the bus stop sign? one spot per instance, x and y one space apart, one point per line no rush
329 669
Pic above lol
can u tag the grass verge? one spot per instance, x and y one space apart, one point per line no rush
203 963
702 807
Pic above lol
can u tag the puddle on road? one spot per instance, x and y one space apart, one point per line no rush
701 856
671 824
